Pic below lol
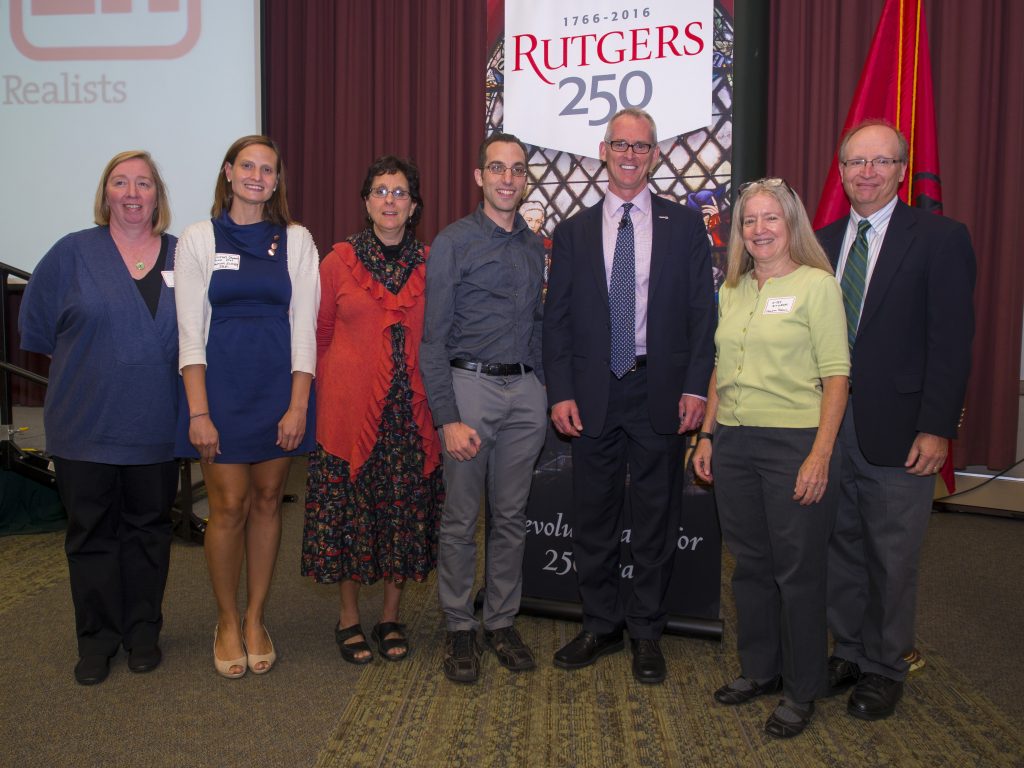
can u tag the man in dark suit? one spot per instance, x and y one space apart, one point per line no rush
907 277
628 348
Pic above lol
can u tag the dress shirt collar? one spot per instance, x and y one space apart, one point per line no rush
879 219
613 203
488 225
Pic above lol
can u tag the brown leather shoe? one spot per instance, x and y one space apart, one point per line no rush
510 649
462 656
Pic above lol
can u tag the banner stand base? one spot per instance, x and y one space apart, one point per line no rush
707 629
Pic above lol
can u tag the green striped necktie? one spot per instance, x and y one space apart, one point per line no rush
855 279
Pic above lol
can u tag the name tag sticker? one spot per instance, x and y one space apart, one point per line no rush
779 305
226 260
168 276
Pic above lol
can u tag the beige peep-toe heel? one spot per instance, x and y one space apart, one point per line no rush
224 667
258 658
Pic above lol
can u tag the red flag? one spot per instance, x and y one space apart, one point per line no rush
896 85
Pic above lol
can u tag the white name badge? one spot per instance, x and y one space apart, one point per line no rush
168 276
226 261
779 305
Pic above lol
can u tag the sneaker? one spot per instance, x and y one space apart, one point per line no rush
462 656
510 649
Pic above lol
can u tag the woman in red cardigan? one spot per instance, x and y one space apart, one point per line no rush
374 493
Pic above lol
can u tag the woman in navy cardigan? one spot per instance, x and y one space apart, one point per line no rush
101 305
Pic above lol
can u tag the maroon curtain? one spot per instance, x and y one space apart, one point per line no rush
23 391
817 52
350 80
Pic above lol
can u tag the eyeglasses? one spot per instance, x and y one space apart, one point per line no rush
498 168
382 192
771 181
883 163
621 145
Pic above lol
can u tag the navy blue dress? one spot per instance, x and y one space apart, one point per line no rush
248 351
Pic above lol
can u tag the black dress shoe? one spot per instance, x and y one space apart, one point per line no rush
92 669
875 697
733 694
781 723
648 663
841 675
586 648
144 659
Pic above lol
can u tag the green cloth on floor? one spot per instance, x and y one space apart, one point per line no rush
28 507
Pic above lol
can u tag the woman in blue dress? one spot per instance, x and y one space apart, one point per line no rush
247 285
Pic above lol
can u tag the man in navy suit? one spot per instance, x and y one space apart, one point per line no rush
907 278
628 349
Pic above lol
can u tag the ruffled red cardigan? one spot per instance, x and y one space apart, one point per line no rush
354 367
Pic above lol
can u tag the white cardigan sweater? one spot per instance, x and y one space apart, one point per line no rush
193 268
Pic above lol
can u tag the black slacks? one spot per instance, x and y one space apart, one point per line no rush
118 546
780 549
655 495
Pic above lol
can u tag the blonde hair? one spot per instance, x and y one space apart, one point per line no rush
162 210
803 245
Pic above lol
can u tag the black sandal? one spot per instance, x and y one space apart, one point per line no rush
385 645
350 651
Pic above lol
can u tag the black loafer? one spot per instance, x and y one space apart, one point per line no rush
875 697
732 695
586 648
92 669
841 675
648 662
785 728
144 659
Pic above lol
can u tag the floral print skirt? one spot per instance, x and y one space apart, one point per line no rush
385 524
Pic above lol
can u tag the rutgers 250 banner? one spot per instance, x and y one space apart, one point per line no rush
556 74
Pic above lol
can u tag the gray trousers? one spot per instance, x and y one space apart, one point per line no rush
873 559
510 416
780 549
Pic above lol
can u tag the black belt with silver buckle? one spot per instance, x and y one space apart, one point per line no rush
491 369
641 362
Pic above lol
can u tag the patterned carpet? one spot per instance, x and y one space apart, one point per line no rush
30 564
408 714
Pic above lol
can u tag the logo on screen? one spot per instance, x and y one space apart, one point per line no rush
104 30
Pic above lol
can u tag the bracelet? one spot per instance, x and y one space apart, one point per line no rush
197 415
705 435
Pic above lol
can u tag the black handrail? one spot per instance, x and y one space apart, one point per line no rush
6 406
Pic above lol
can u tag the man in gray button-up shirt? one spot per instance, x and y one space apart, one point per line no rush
480 357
